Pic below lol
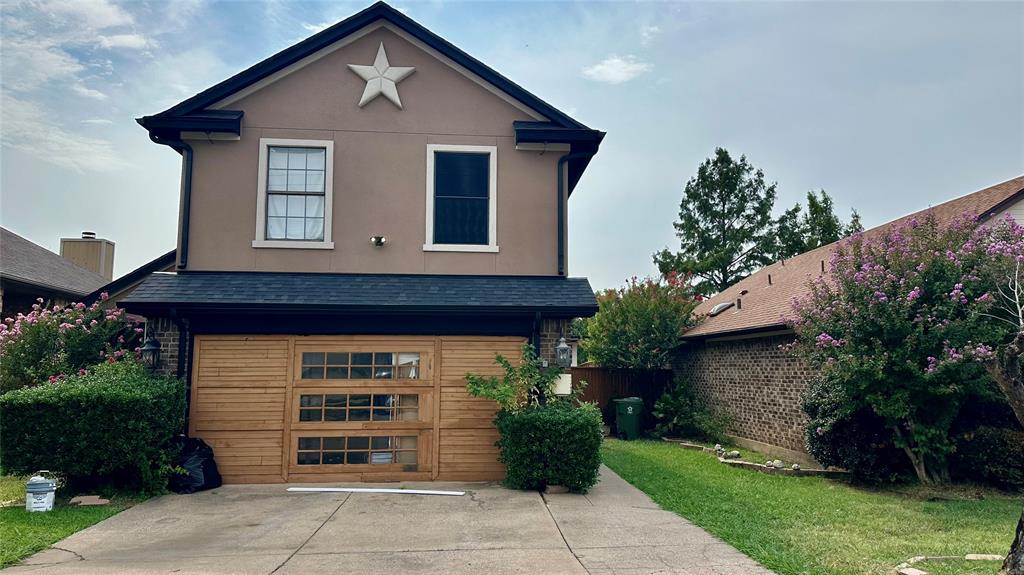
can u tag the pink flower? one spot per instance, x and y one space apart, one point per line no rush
79 306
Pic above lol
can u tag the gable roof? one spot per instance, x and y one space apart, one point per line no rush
192 114
29 263
765 305
137 275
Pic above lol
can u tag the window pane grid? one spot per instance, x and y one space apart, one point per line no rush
357 450
372 407
360 365
295 193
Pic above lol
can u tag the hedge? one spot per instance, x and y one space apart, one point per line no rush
992 455
552 444
111 426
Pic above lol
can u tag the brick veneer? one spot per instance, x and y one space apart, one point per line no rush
550 331
752 381
166 333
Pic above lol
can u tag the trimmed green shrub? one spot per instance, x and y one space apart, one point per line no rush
553 444
680 413
838 434
111 426
993 455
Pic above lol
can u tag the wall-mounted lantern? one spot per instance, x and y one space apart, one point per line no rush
563 353
151 353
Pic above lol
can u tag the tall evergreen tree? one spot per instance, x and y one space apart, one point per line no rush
797 231
725 224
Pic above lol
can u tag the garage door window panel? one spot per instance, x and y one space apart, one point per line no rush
372 407
357 450
382 365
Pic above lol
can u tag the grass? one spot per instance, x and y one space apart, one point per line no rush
811 525
23 533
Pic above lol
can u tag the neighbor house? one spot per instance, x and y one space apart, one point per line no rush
29 271
733 356
365 217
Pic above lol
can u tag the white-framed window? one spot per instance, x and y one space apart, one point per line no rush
295 194
462 198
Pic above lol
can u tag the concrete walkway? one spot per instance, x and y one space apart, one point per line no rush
264 530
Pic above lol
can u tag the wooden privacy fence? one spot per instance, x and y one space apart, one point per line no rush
604 385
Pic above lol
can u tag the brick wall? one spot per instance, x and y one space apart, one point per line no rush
550 331
752 381
166 332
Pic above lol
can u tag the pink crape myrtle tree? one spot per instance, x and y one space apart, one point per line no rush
888 325
52 342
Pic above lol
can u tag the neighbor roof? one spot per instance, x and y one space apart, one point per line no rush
28 263
764 306
192 114
362 293
138 274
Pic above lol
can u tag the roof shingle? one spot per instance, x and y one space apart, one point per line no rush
765 305
26 262
252 291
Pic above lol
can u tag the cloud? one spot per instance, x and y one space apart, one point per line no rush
30 128
131 41
97 121
88 92
648 34
315 28
31 63
616 69
95 14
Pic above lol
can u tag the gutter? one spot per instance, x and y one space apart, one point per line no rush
185 150
561 205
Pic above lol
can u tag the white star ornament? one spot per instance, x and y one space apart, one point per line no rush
381 78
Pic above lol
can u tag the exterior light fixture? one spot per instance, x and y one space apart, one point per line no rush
151 353
378 241
563 353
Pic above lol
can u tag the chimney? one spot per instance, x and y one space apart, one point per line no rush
89 252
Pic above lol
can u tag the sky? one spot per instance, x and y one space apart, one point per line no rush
888 106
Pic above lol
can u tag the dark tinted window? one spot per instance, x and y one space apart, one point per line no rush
461 183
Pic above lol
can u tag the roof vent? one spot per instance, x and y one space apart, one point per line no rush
769 279
744 292
88 235
719 308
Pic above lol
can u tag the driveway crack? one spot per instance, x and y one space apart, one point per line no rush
313 534
564 540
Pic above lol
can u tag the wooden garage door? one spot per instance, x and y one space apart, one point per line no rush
345 408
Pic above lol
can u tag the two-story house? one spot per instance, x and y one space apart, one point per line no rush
365 217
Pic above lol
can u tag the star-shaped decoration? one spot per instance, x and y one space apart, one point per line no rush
381 78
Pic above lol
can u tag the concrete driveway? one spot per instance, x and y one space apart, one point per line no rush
266 530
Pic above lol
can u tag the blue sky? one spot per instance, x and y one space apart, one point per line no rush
890 107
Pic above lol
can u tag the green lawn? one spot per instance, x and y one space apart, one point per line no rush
810 525
23 533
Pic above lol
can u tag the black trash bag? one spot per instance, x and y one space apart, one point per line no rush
200 469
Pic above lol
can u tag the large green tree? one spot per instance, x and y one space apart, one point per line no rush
725 224
797 230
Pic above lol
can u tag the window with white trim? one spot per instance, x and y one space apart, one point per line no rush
461 198
294 209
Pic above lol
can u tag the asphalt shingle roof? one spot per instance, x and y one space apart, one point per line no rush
26 262
765 305
363 292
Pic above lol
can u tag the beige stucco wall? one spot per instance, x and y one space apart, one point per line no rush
379 175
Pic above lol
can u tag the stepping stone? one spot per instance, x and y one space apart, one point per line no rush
85 500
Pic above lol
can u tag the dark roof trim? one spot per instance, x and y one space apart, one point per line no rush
1014 198
133 276
583 143
319 41
751 331
209 121
149 308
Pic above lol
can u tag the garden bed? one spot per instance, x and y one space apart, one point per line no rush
814 525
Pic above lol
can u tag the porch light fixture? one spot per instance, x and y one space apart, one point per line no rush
563 353
151 353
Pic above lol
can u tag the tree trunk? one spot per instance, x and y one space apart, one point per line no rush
1014 563
1005 370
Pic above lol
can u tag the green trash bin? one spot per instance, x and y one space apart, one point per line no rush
628 412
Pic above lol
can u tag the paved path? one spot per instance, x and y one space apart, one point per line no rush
249 529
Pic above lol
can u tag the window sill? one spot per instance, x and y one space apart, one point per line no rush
459 248
293 244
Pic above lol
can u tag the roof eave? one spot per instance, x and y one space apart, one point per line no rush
150 307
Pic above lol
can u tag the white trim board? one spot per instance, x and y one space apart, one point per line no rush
261 240
327 50
492 200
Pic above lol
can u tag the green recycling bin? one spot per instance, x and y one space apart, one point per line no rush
628 411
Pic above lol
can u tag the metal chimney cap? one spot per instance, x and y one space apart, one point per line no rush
88 235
